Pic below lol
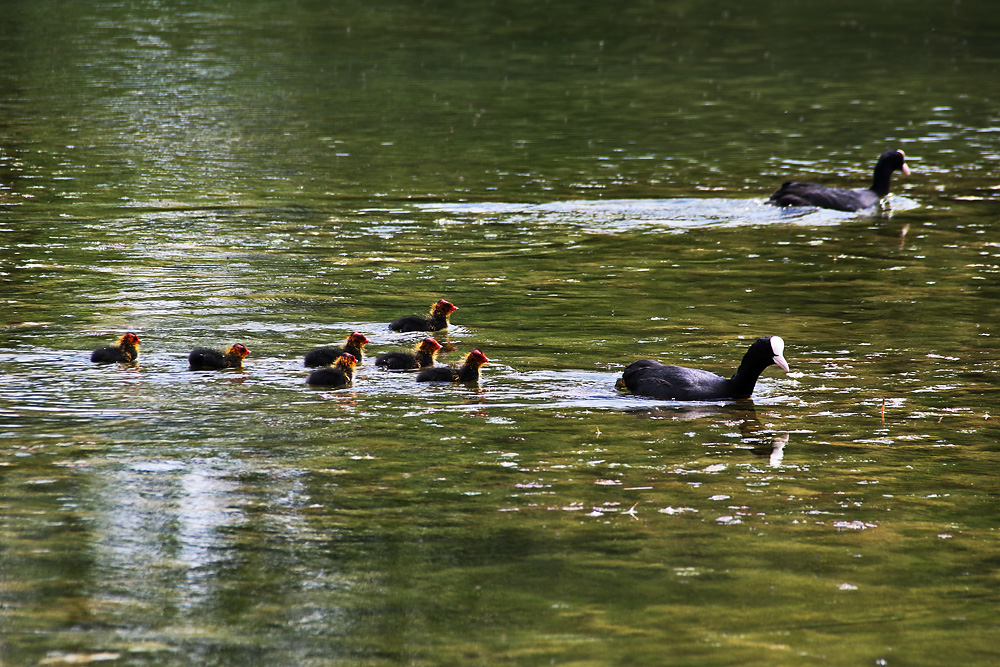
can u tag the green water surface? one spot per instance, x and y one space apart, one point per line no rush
586 182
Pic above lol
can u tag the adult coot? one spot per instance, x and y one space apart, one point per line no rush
437 320
677 383
202 359
339 375
324 356
467 372
126 350
421 357
794 193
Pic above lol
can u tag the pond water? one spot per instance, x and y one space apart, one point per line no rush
587 184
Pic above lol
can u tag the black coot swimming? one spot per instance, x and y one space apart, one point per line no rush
793 193
677 383
203 359
467 372
437 320
421 357
338 375
126 350
324 356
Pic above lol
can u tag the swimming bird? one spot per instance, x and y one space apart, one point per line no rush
324 356
467 372
203 359
337 376
422 356
794 193
126 350
435 321
678 383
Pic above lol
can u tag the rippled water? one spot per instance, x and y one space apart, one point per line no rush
588 187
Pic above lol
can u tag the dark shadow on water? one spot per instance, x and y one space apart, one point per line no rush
744 411
766 442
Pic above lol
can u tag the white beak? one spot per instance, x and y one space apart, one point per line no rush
778 347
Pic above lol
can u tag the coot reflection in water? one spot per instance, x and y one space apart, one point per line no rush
764 441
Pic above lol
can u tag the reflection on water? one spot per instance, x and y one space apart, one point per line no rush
651 215
160 516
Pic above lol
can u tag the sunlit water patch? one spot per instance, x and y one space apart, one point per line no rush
161 384
653 215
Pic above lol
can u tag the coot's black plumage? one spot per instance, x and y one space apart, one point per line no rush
677 383
203 359
793 193
324 356
126 350
339 375
467 372
437 320
421 357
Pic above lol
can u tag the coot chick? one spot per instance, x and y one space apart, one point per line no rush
324 356
339 375
438 319
202 359
793 193
677 383
126 350
468 371
421 357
